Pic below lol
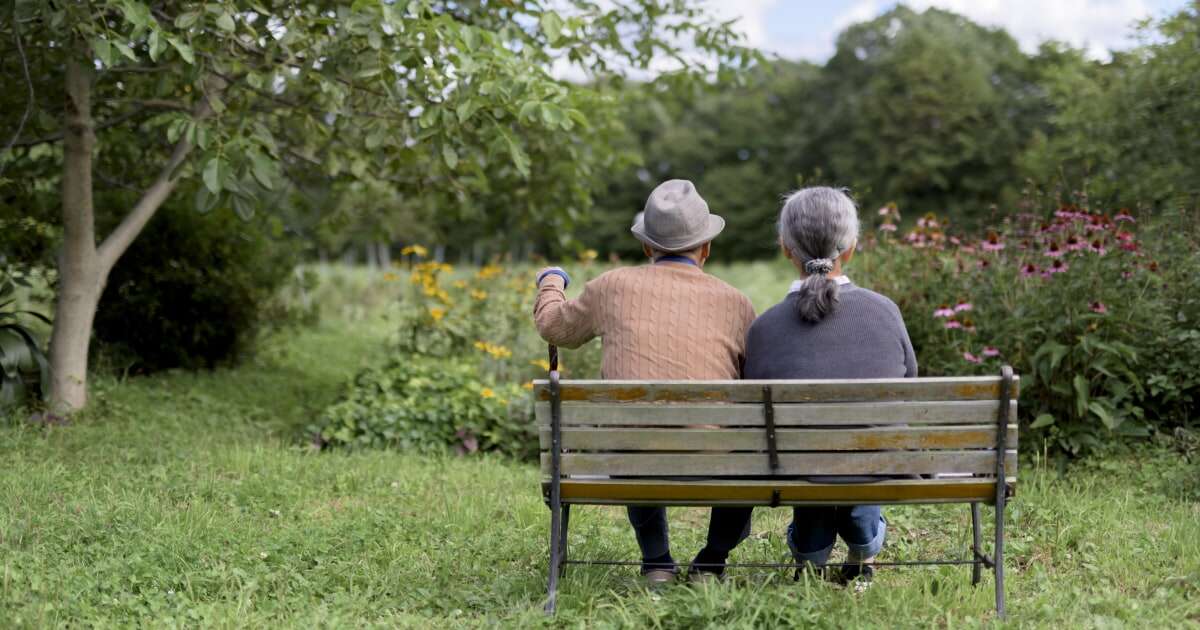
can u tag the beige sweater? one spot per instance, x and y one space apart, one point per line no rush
668 320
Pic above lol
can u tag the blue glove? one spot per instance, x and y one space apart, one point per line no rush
558 271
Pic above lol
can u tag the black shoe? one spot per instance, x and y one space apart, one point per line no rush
857 573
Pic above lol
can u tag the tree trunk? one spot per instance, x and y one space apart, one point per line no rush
80 280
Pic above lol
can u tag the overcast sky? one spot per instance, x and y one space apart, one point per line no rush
806 29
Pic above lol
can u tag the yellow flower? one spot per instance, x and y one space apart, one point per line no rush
437 314
588 255
542 363
489 271
389 277
487 392
479 295
460 284
481 345
528 385
415 249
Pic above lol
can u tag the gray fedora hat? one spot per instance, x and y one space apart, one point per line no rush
676 218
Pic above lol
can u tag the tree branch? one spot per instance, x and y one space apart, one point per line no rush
119 240
28 83
55 137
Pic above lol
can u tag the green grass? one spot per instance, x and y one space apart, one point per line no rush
189 499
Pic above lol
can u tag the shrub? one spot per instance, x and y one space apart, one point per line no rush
193 291
23 365
428 405
1095 317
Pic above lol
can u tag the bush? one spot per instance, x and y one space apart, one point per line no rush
193 291
428 405
1097 318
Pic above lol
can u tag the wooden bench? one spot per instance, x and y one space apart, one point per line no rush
644 442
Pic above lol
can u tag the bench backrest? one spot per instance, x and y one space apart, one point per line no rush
755 429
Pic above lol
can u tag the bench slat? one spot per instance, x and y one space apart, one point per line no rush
850 390
865 439
744 464
759 492
725 414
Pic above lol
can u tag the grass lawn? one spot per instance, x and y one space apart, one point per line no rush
189 499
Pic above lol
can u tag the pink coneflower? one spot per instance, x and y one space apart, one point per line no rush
1058 266
1097 222
968 325
944 311
1125 275
952 324
955 240
1124 236
1065 213
921 222
1053 250
888 227
1153 266
1099 307
971 358
1123 216
1074 244
993 243
1129 246
884 211
983 263
1029 269
963 306
991 351
1097 247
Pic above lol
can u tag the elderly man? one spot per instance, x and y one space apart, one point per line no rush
663 320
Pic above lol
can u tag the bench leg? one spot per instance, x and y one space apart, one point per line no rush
999 559
562 539
977 544
556 549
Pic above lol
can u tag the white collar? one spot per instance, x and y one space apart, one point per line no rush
840 280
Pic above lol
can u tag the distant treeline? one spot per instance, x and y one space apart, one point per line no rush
928 110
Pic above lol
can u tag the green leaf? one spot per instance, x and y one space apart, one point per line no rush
551 24
154 44
204 201
213 175
1104 414
225 22
450 156
243 207
1043 420
187 20
125 50
103 50
1081 394
185 51
263 170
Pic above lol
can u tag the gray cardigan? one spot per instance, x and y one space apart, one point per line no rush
864 337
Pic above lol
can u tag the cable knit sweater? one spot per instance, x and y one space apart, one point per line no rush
668 320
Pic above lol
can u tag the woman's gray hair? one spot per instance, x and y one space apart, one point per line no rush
817 225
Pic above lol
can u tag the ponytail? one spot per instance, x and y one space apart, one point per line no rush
816 225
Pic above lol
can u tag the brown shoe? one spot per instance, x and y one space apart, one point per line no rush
657 578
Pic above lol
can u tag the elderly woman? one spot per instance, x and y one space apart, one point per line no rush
826 328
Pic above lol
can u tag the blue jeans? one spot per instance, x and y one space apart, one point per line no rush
726 528
813 531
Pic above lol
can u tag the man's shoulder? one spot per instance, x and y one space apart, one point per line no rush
727 290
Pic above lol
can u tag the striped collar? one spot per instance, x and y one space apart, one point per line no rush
840 280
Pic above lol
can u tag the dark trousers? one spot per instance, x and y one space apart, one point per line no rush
727 527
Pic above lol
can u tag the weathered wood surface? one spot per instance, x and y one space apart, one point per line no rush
853 390
735 464
791 492
866 439
796 414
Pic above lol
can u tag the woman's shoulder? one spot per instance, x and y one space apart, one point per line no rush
783 312
870 297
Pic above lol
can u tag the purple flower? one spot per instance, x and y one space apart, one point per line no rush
1099 307
1029 269
952 324
1058 266
1097 247
991 351
1053 250
963 306
1123 216
944 311
992 243
888 227
1075 244
971 358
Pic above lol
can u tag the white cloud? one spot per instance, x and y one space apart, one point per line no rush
1097 25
